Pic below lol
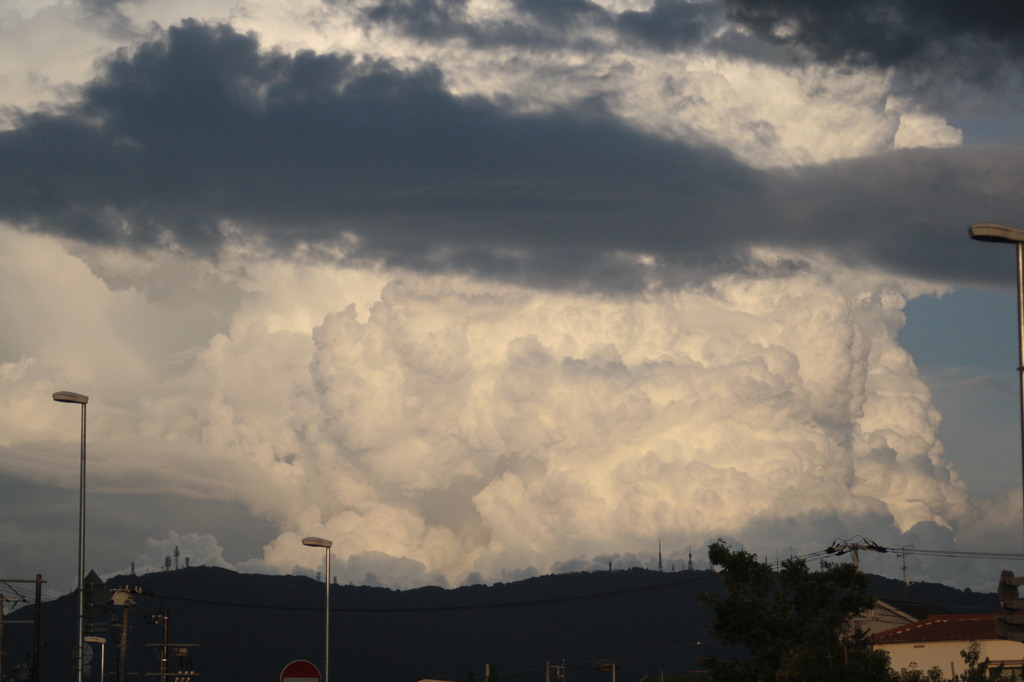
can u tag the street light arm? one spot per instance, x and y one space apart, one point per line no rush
992 232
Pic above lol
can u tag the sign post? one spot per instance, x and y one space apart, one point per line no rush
300 670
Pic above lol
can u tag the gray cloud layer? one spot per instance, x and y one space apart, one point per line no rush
200 133
885 32
956 56
668 25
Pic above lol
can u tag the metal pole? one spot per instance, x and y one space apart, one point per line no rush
1020 356
327 619
122 653
36 622
326 544
166 646
991 232
2 599
79 657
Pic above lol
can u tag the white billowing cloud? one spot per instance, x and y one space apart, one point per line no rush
765 115
479 428
921 129
41 49
192 550
440 429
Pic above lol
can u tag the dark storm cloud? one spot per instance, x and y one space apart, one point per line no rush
889 32
444 20
427 19
669 25
560 13
202 129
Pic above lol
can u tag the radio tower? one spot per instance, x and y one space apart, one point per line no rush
689 562
661 566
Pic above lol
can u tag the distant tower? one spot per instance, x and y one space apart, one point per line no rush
186 562
177 552
689 563
167 562
661 566
133 568
906 581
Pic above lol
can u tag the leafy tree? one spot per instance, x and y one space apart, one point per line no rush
794 623
916 675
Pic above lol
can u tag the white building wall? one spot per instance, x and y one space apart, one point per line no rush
946 655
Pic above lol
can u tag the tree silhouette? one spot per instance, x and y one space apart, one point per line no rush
795 624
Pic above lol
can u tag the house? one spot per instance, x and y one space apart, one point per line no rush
938 640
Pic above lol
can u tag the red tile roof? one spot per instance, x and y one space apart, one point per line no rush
973 627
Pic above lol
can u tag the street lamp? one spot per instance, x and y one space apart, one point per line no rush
69 397
990 232
326 544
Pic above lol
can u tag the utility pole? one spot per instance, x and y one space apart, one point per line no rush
165 621
906 581
122 597
37 619
163 650
839 547
559 670
4 599
182 669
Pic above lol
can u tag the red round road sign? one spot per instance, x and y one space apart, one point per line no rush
300 671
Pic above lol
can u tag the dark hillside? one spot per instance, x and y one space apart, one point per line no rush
249 626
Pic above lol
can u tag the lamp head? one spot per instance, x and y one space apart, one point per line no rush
317 542
69 397
991 232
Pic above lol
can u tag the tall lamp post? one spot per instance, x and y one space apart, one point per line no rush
326 544
990 232
78 398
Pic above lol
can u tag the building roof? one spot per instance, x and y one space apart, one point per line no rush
890 613
973 627
912 609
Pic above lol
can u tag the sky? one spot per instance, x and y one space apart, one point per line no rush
487 289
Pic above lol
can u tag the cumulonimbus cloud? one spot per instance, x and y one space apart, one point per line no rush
475 429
